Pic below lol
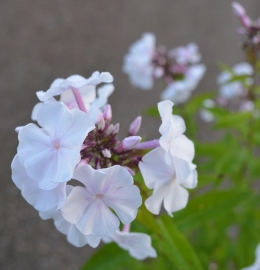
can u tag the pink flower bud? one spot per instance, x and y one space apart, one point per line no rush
101 124
106 153
135 126
116 128
107 114
130 170
130 142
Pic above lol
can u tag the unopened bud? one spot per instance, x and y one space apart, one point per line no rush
107 114
110 129
135 126
101 124
130 142
116 128
130 170
106 153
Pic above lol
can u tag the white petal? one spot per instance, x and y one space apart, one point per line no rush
77 202
154 202
192 180
183 148
154 168
55 118
176 198
99 220
116 177
182 169
19 175
138 244
125 201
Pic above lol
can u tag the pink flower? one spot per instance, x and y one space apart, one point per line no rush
89 207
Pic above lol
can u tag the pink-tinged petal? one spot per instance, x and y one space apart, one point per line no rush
92 179
55 118
154 202
99 220
42 167
32 140
77 202
117 176
82 124
125 201
183 148
76 237
44 200
182 169
192 180
138 244
19 175
176 198
154 168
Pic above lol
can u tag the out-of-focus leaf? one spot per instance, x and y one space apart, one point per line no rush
234 120
153 111
176 246
209 206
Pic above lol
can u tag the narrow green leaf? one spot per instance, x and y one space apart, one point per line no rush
209 206
177 248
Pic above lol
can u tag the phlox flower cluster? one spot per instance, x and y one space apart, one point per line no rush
249 31
233 93
75 139
179 67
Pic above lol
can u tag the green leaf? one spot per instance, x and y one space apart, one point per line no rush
209 206
234 120
176 247
153 111
111 257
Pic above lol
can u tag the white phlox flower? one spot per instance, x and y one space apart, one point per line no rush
137 244
138 62
40 199
50 153
167 181
188 54
172 140
86 87
74 235
229 90
89 207
179 91
256 265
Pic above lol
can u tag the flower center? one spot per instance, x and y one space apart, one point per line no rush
99 196
56 144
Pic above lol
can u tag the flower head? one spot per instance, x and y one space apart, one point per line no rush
89 207
138 62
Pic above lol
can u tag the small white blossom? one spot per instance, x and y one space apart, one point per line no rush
167 181
138 62
50 154
89 207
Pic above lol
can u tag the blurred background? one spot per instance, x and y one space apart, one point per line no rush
41 40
